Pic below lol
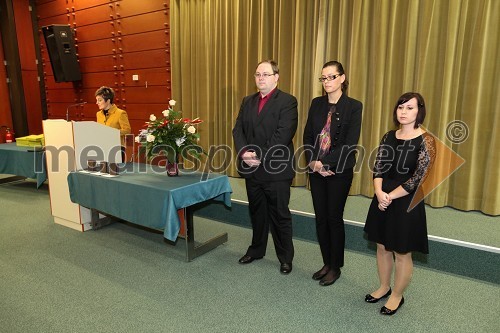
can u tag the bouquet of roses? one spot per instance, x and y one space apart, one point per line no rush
170 135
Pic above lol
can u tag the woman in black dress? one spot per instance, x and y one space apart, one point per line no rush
404 159
331 135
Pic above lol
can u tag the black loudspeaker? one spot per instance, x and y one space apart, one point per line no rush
61 47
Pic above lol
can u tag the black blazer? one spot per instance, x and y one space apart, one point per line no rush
268 133
344 130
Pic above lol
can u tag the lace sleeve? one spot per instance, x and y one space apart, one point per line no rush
383 158
426 157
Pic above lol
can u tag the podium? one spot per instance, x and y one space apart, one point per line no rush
68 147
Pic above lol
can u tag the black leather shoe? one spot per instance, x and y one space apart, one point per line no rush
329 279
370 299
286 268
321 273
246 259
389 312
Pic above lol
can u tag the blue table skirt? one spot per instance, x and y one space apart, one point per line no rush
23 161
147 197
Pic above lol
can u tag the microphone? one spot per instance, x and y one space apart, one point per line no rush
72 105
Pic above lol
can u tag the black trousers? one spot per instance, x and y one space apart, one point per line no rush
329 196
268 205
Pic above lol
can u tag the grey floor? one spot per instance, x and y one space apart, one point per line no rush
124 279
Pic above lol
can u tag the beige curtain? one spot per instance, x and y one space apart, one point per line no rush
446 50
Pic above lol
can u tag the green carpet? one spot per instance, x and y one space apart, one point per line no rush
126 279
450 258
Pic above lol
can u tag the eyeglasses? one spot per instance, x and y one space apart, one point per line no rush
329 78
264 75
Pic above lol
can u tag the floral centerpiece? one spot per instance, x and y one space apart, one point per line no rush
170 135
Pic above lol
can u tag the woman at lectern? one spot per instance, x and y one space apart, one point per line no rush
110 115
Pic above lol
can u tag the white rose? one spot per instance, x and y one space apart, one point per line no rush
137 139
165 113
150 138
191 129
152 117
171 102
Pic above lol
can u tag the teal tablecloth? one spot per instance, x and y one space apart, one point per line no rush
145 197
23 161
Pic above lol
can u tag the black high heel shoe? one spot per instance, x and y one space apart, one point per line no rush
370 299
389 312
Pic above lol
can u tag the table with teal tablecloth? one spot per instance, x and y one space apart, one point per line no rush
143 194
23 161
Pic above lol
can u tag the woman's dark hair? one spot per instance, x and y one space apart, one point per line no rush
340 69
106 93
421 107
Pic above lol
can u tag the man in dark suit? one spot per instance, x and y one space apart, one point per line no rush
263 135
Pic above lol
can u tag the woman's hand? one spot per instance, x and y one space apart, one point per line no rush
317 166
384 200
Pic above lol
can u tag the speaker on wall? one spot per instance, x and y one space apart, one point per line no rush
61 47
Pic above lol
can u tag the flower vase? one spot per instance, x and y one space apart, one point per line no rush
172 169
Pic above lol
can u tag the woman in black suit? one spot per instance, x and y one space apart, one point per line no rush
330 137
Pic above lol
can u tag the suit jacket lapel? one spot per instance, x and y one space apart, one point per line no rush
337 119
254 108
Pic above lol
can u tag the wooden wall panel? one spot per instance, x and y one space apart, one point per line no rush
88 95
65 96
126 8
94 32
147 77
140 111
97 64
97 48
146 59
138 123
29 70
89 110
53 8
154 94
143 23
99 79
80 5
31 88
115 40
41 2
93 15
59 19
144 41
51 84
58 111
5 107
25 37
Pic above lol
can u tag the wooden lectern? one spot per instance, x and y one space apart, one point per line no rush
68 147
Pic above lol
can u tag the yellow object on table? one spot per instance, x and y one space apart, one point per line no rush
31 141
